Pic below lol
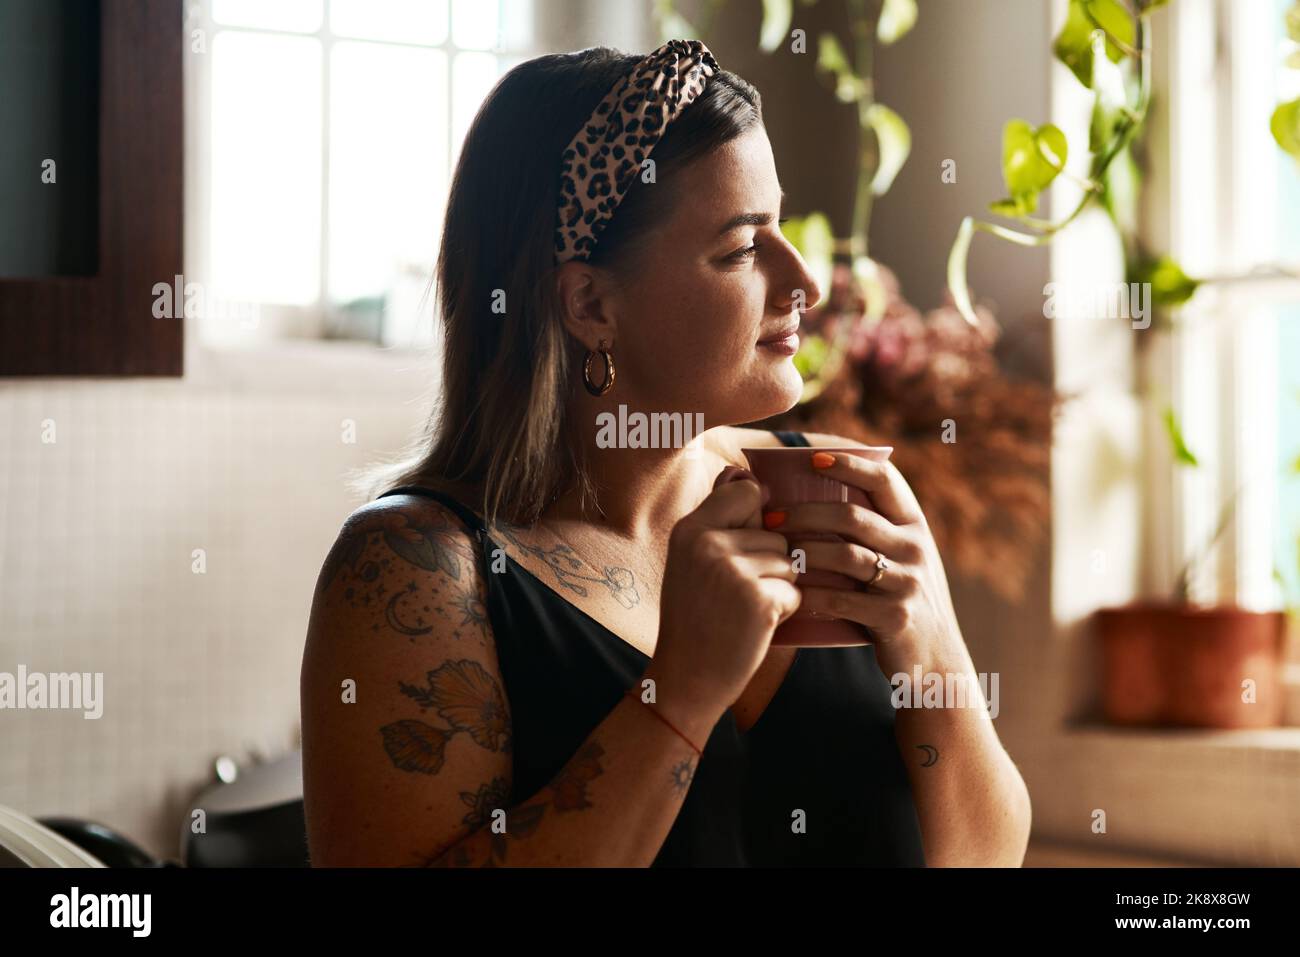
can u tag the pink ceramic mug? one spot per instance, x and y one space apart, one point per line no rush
788 473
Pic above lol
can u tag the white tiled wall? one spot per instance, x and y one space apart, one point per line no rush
97 530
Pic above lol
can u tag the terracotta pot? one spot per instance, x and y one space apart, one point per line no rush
1183 666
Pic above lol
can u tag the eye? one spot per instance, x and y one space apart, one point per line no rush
740 255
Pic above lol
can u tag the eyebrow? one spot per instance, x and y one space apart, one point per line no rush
748 219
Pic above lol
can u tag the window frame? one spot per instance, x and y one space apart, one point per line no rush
280 322
1208 205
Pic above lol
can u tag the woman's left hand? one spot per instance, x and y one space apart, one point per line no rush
908 608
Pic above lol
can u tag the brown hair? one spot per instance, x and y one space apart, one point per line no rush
500 425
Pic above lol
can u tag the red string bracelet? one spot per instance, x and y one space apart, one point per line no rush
637 694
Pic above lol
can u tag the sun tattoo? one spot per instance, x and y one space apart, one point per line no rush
473 612
683 773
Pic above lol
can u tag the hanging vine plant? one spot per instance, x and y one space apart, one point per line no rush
1106 45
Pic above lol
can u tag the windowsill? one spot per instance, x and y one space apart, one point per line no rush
286 367
1097 854
1227 797
1262 739
312 366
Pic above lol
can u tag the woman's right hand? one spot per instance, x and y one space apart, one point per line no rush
727 584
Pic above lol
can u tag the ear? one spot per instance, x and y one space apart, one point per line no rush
588 303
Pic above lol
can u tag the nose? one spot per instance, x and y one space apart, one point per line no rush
795 278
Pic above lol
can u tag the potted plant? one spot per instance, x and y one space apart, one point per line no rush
1180 663
1184 665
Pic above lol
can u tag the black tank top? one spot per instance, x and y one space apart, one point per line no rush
824 745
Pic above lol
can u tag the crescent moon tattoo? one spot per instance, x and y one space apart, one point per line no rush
391 614
931 754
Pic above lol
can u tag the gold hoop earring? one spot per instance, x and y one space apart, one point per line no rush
609 370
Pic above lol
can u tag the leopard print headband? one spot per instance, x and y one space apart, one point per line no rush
624 128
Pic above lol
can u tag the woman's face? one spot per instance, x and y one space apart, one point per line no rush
704 323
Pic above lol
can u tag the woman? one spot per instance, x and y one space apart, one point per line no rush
536 649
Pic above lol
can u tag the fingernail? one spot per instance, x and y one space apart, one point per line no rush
822 460
773 520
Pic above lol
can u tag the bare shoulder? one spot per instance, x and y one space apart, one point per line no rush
403 711
385 545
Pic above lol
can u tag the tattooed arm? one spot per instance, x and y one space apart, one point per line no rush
407 732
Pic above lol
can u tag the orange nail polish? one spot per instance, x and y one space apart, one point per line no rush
773 520
822 460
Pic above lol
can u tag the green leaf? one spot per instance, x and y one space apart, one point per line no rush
830 55
832 60
811 356
776 24
895 142
1009 208
1031 159
1073 45
897 17
1120 191
867 272
1181 452
1285 125
1170 286
957 271
1110 104
1292 20
1113 17
1052 147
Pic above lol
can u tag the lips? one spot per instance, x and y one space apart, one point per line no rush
784 343
783 334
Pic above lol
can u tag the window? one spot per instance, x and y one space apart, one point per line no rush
322 136
1234 369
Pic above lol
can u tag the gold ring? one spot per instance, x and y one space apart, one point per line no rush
881 565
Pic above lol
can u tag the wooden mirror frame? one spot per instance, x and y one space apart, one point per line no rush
104 324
